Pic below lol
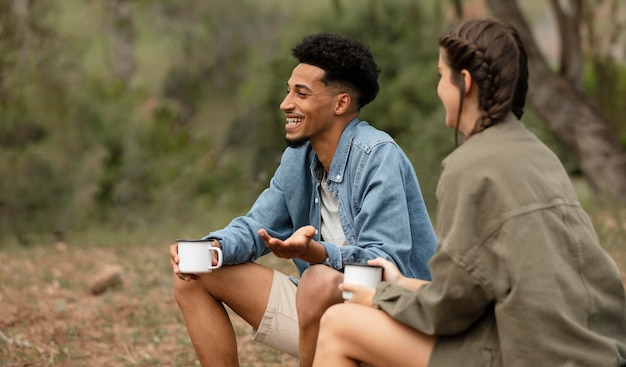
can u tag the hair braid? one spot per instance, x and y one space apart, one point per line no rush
483 76
492 52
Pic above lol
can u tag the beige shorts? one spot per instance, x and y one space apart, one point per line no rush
279 326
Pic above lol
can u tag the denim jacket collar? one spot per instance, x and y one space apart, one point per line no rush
340 159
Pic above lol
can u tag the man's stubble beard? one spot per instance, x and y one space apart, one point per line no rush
296 143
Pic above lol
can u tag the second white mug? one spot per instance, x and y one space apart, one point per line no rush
361 274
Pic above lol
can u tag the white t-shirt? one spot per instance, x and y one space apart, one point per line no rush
331 226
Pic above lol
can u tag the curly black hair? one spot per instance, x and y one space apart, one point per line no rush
346 61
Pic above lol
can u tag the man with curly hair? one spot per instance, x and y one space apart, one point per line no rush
344 192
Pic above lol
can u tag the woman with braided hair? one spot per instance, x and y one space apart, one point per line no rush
519 277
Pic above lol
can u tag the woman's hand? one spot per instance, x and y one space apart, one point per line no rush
391 273
360 294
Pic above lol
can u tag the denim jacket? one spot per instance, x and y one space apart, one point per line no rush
381 209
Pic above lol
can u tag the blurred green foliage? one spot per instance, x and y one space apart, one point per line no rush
195 133
605 82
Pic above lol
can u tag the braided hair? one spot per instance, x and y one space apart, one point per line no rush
492 52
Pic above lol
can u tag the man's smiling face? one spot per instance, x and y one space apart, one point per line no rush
308 105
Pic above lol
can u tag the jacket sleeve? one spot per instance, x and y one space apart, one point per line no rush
448 305
239 239
463 266
384 196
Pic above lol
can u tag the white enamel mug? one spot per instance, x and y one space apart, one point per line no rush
361 274
196 256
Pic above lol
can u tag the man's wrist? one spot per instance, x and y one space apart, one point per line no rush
316 254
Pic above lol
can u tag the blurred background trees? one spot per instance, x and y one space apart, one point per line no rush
558 95
161 118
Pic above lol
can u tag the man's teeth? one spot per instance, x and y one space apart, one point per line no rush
294 120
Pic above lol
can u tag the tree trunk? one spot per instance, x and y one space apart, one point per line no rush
568 20
573 117
122 40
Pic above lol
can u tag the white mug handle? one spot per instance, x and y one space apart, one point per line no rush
219 257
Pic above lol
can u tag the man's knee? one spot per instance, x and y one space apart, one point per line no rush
317 278
317 290
186 290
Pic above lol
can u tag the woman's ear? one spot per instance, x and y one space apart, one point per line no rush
467 77
343 103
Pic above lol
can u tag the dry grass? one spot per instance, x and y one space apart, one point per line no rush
49 317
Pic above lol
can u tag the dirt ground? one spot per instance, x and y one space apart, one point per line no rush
50 316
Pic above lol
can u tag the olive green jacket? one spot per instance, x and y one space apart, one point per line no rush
519 277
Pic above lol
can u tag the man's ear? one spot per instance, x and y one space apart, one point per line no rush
343 103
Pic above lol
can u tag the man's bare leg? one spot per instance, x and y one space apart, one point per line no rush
317 290
245 288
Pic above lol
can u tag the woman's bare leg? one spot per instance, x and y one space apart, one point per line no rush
351 333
